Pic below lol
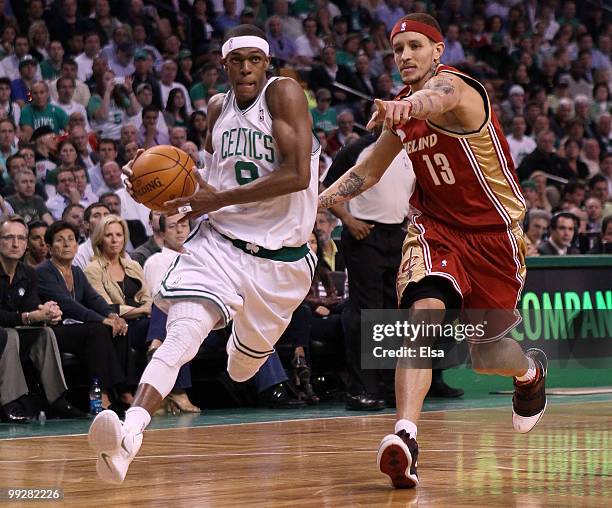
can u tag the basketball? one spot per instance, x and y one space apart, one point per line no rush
162 173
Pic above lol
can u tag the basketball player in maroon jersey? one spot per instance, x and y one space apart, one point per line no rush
464 248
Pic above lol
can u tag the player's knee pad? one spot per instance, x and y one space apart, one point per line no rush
183 340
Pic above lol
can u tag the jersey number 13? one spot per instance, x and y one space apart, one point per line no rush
442 167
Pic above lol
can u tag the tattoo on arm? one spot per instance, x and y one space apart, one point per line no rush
428 101
348 188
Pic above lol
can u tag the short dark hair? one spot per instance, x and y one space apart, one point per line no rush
562 215
149 108
35 224
604 223
426 19
69 61
58 226
162 222
107 195
9 120
596 179
10 159
240 30
70 207
574 185
97 204
107 141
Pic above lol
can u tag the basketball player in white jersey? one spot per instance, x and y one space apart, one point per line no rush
249 262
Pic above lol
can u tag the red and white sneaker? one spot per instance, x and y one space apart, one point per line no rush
397 458
529 401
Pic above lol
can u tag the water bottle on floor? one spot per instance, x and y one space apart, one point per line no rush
95 398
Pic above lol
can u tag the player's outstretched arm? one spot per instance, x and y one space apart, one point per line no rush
365 174
442 93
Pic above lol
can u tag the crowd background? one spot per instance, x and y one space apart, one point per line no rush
84 84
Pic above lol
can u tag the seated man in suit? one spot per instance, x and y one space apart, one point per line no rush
562 229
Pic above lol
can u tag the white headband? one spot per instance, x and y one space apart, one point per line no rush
245 41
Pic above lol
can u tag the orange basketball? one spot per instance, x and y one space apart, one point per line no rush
163 173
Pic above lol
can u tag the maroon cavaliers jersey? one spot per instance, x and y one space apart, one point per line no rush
466 180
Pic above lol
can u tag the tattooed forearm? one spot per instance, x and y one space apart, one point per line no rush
439 96
348 187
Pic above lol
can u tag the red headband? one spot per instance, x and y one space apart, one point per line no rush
416 26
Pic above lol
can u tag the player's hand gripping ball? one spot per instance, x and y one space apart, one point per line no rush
160 174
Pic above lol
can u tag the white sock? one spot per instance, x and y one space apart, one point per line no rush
408 426
137 419
530 374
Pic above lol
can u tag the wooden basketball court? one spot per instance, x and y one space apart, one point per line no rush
468 458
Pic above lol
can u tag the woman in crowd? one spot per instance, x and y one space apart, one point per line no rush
97 335
111 106
175 113
197 128
120 281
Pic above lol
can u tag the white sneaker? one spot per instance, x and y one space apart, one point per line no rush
115 446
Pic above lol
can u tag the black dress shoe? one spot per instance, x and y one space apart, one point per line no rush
13 413
363 402
279 397
63 409
441 390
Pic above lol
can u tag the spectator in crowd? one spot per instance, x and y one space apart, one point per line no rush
545 159
520 145
143 73
598 187
9 66
84 61
25 203
21 88
389 12
308 46
603 132
209 85
9 110
149 135
590 155
8 145
536 225
604 245
185 76
453 50
343 135
594 210
111 105
229 18
282 47
20 307
66 193
328 251
175 113
572 155
111 175
45 141
98 338
154 244
51 67
120 280
105 22
178 136
602 102
358 17
606 170
174 231
137 232
65 99
107 152
40 112
168 83
81 90
562 230
324 75
93 214
73 215
87 156
201 27
197 128
575 193
37 251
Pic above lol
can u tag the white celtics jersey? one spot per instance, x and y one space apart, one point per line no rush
244 149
